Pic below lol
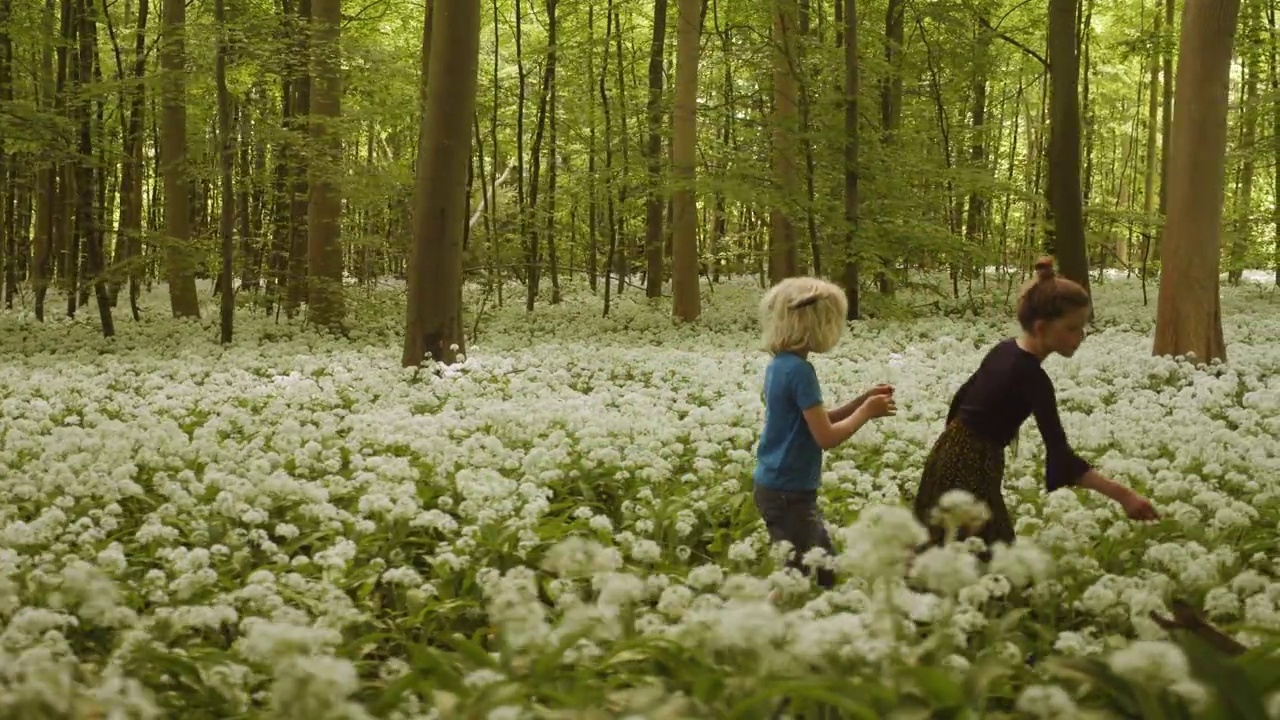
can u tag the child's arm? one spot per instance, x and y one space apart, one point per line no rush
829 434
849 408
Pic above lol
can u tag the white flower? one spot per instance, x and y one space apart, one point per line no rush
1046 702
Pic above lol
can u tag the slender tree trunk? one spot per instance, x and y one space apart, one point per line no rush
46 174
975 220
8 248
1188 313
806 133
891 105
653 157
1166 117
226 219
87 226
593 205
433 327
535 176
1248 139
552 152
784 258
624 189
849 276
608 162
1065 199
687 301
299 206
1149 176
1275 135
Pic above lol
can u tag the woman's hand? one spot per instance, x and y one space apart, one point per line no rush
1138 507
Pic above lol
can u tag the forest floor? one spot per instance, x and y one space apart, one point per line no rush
295 526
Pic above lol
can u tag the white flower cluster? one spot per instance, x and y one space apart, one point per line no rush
293 523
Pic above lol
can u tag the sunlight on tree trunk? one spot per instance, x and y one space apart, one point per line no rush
433 327
687 301
1189 314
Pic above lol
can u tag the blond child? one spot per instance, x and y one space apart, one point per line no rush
800 316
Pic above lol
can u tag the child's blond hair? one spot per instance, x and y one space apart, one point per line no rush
803 314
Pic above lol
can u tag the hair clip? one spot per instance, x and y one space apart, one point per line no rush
804 302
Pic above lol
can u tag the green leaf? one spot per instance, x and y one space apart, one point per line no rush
1238 696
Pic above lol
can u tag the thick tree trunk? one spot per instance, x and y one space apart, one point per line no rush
433 327
180 255
1188 314
325 297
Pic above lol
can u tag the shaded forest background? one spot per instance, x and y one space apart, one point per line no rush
275 146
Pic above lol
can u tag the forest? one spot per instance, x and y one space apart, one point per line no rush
398 359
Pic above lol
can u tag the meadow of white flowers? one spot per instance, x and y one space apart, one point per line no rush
559 527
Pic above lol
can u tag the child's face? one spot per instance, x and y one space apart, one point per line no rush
1065 334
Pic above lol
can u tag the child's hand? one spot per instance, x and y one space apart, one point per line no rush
878 406
880 389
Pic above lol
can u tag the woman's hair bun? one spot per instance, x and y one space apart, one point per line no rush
1044 268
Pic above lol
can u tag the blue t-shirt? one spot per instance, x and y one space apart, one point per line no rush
787 456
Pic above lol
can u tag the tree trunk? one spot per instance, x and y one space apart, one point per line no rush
609 263
299 205
783 255
226 217
433 327
891 104
593 195
687 301
975 219
8 248
1275 135
1188 314
87 226
46 175
653 157
849 276
1248 139
1166 118
553 160
1065 201
1150 222
173 157
325 297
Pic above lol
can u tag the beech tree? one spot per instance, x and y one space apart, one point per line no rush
451 59
1189 311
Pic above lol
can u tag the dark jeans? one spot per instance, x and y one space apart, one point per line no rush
793 515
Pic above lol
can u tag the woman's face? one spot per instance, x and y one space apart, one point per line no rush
1065 334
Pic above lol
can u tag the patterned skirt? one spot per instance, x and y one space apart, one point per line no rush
961 460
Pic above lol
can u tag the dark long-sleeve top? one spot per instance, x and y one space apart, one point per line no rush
1009 386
